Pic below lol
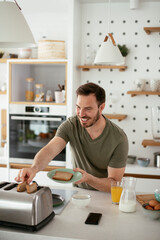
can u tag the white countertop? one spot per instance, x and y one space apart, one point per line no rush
114 224
136 169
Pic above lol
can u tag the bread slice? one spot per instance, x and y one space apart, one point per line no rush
21 187
62 176
31 188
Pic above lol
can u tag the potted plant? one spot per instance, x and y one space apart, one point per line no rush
123 49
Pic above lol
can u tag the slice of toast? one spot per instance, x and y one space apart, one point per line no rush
62 176
31 188
21 187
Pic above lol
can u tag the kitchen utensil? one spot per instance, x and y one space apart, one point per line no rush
57 200
144 198
23 210
131 159
155 114
59 96
157 195
143 162
76 175
153 214
128 198
81 199
157 159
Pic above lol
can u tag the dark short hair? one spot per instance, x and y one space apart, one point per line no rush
92 88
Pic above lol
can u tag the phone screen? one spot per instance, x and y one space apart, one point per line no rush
93 218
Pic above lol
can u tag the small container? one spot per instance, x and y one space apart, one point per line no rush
81 199
143 162
49 96
29 90
157 159
39 92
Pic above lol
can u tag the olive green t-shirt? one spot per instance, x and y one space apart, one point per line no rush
95 155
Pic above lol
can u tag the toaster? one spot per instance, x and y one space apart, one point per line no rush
20 209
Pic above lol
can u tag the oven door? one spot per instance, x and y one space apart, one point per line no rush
29 133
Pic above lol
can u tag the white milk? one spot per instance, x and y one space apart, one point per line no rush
129 206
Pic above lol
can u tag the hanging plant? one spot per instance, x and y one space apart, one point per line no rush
123 49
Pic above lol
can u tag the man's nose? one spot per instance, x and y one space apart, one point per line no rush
82 113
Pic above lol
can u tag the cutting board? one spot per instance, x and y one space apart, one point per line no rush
144 198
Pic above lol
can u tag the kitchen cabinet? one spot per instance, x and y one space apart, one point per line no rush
47 72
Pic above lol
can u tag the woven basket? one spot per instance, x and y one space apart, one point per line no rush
51 49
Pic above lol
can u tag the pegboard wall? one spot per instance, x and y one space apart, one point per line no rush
143 62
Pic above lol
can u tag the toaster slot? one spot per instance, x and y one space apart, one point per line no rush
3 184
11 187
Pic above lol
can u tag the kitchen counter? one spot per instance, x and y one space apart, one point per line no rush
113 225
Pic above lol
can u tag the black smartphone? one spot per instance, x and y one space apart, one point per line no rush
93 218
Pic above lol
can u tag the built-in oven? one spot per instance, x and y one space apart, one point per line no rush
30 129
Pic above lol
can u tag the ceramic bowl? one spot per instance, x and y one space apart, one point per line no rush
157 195
152 214
143 162
81 199
131 159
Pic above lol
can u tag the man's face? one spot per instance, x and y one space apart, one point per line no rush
87 110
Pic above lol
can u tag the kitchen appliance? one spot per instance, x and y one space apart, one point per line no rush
23 210
157 159
31 127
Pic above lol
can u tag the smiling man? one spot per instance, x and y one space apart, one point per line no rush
99 147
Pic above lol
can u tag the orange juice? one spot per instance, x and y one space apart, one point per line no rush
116 194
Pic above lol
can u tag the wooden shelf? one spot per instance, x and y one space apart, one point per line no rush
135 93
3 60
148 30
148 142
119 117
88 67
3 93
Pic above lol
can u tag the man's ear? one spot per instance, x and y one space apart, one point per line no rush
102 106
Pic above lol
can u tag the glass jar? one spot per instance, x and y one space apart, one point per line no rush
39 92
29 94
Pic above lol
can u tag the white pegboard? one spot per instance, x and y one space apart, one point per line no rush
143 61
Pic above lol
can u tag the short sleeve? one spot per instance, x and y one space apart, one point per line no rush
119 157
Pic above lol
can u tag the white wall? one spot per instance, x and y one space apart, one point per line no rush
50 18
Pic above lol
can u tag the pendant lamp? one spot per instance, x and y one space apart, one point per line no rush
109 53
14 30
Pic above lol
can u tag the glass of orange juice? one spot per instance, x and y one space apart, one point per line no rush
116 190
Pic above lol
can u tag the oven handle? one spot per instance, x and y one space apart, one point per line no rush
36 118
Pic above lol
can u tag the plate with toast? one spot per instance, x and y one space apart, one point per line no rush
64 175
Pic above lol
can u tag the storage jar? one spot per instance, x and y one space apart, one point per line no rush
29 89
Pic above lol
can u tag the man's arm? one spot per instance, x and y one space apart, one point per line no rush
101 184
41 160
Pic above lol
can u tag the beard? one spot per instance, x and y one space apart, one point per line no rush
90 121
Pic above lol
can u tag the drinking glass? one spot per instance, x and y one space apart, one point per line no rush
116 190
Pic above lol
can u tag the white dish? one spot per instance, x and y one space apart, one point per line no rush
81 199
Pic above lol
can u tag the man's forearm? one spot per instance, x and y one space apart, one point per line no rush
41 159
101 184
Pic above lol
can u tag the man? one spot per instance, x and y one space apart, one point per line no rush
99 147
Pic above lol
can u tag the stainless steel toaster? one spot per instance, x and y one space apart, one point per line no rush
20 209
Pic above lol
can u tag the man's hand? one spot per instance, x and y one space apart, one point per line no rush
85 176
26 174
